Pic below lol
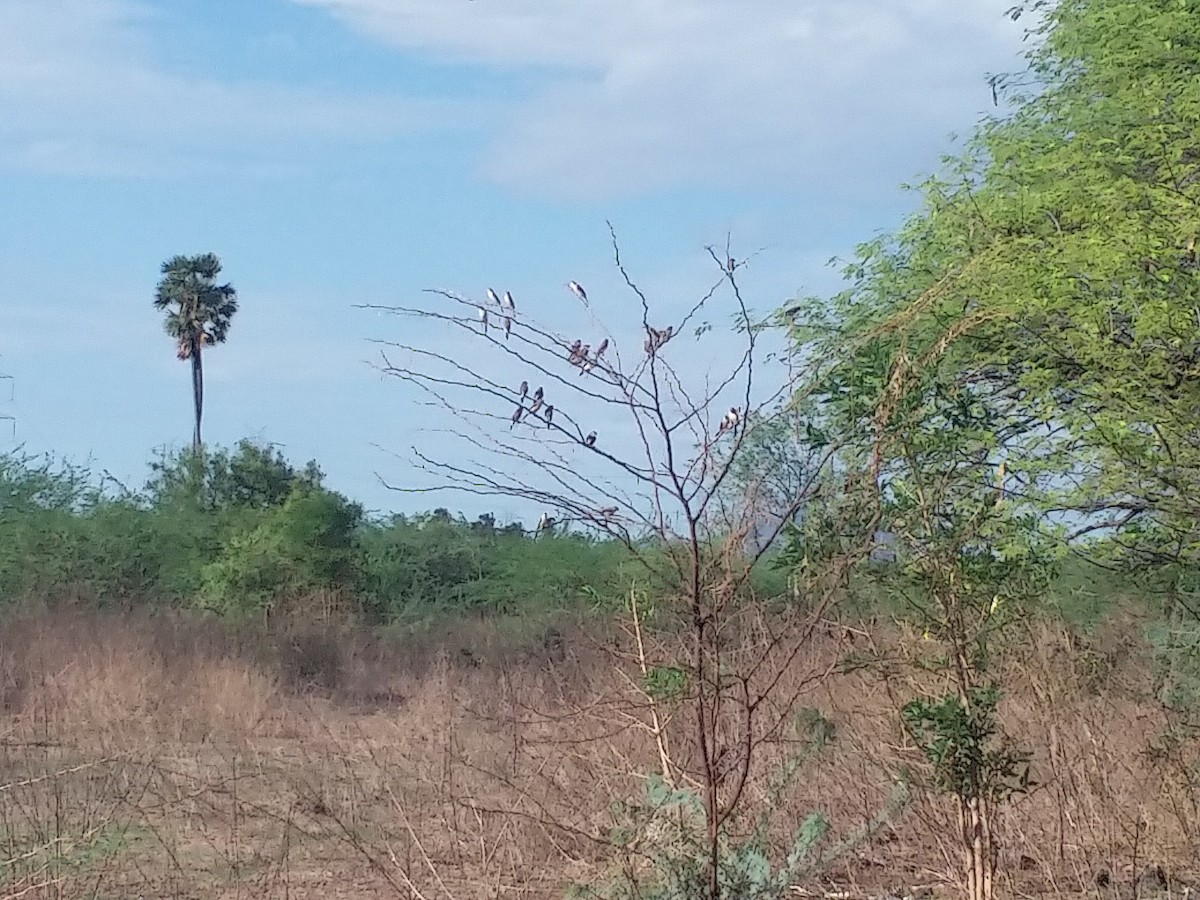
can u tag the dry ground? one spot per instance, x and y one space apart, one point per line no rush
169 758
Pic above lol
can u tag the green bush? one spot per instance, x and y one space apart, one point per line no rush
306 544
662 846
235 531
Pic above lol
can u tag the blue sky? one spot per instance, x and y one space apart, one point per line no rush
340 152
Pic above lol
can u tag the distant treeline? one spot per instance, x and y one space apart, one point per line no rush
242 531
245 532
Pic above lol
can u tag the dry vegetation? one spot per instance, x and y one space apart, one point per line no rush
169 757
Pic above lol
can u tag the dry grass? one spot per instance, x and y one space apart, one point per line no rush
172 757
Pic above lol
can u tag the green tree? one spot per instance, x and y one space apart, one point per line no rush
305 544
251 476
1063 245
1027 348
198 314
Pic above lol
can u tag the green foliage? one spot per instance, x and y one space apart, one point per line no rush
409 566
960 743
666 683
1045 301
198 309
248 478
664 837
1018 367
1174 640
664 847
238 530
306 544
57 532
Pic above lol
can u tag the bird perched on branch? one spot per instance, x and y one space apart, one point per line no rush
590 440
582 355
516 417
577 289
483 318
600 350
538 394
655 338
537 404
523 390
493 297
548 415
510 310
729 422
607 512
573 352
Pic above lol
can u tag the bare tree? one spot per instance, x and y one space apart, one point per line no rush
654 437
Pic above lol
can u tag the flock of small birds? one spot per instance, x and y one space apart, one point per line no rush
507 311
580 355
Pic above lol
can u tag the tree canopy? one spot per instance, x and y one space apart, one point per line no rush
198 314
1048 287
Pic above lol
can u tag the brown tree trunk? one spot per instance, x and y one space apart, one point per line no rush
197 393
974 820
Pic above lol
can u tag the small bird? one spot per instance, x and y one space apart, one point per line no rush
538 394
516 417
586 367
657 338
537 404
590 440
523 389
603 346
607 512
573 354
577 289
508 302
507 326
483 318
492 296
548 415
729 421
582 355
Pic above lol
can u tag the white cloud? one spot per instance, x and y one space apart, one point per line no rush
81 93
618 99
652 94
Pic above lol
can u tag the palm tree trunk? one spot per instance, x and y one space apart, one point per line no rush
197 393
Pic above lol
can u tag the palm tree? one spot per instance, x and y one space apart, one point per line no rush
198 314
